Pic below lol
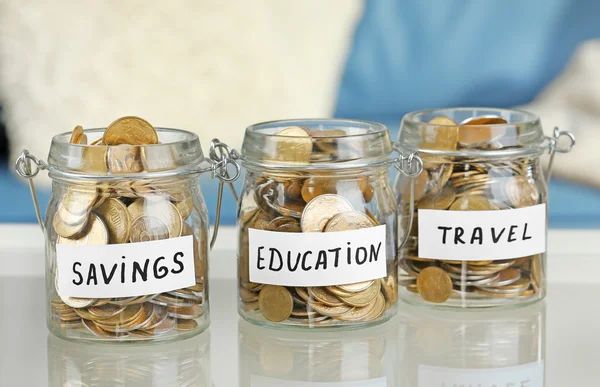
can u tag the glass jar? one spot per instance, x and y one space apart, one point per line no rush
126 233
318 224
480 207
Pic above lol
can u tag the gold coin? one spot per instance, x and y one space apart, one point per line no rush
349 220
275 303
77 302
521 192
472 203
439 201
434 284
357 313
440 134
365 297
330 311
420 183
160 208
296 147
537 270
77 135
165 326
94 233
124 159
389 289
474 130
185 312
159 315
117 219
378 308
278 222
185 207
127 315
95 329
148 228
315 186
94 159
105 311
320 210
130 130
248 295
68 229
356 287
324 297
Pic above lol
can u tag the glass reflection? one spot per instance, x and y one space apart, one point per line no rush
183 363
482 348
358 358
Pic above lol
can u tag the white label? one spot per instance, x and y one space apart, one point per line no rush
263 381
317 259
482 235
526 375
125 270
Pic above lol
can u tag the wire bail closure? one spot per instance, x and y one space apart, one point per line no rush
221 156
23 168
553 147
411 166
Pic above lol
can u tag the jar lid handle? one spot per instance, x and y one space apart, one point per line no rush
221 156
23 168
553 147
411 166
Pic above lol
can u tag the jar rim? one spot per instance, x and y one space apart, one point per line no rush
349 144
178 152
521 134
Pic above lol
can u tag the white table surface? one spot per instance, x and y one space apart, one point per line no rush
557 339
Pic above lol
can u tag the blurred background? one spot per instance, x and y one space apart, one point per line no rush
214 67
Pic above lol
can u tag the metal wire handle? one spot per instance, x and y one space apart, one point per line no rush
553 147
410 166
23 168
222 156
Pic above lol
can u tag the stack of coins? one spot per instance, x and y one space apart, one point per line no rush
127 211
464 184
316 201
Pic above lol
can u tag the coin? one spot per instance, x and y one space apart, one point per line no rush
356 287
275 303
521 192
186 325
94 233
320 210
76 135
122 159
440 134
471 203
148 228
117 220
159 208
324 297
185 207
296 147
439 201
130 130
363 298
330 311
349 220
378 308
434 284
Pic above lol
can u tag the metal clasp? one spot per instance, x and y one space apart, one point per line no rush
23 168
553 147
411 166
221 157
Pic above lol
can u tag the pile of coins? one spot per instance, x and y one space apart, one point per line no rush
316 201
464 184
122 212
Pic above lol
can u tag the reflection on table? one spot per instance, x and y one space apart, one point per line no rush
365 357
483 348
177 364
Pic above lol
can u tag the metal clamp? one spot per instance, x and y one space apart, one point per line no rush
553 147
411 166
23 168
222 156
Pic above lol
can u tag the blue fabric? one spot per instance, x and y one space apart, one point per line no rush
411 55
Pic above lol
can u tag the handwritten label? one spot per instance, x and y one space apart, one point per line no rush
263 381
482 235
317 259
125 270
526 375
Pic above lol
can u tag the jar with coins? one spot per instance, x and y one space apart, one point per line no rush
478 238
318 224
126 231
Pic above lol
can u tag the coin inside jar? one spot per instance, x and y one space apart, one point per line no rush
320 210
349 220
